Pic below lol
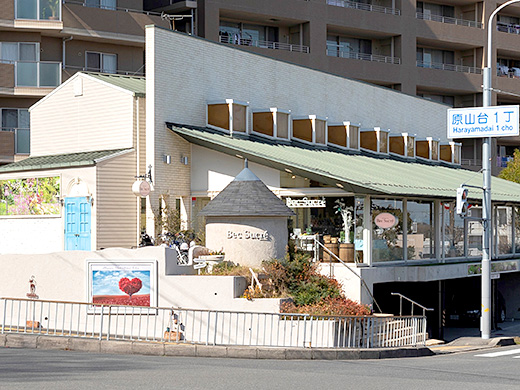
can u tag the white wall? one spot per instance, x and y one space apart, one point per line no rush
36 234
213 171
100 119
63 276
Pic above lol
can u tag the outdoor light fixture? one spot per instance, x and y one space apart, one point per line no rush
167 159
340 185
184 160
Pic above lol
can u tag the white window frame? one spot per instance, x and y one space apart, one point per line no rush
38 11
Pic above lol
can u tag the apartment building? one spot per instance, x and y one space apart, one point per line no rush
44 42
434 49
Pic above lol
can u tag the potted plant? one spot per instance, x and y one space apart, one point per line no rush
52 10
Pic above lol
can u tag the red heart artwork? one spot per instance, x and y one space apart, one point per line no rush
130 286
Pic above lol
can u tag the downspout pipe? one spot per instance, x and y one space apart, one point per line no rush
64 40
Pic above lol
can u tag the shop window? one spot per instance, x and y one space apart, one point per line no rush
450 152
503 230
228 115
101 62
272 123
420 232
474 231
517 229
387 230
310 129
427 148
374 140
344 135
452 235
402 145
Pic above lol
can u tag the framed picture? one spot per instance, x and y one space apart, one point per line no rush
122 283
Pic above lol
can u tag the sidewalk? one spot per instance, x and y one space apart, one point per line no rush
469 339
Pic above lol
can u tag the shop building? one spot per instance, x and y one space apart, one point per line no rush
323 144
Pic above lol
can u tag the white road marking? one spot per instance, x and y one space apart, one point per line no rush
502 353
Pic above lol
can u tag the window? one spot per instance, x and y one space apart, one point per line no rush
453 231
17 120
387 230
104 4
420 237
429 9
101 62
244 33
432 57
38 9
11 52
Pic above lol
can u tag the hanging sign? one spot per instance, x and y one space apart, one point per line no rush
305 202
478 122
386 220
141 188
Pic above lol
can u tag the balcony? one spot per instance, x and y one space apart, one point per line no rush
364 7
233 40
448 20
13 141
42 74
508 28
450 67
340 51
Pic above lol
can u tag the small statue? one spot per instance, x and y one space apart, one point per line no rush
32 288
346 214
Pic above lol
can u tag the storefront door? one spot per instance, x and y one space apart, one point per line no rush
77 224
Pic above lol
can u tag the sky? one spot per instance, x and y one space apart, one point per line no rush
106 282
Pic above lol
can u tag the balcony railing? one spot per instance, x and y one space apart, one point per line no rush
448 20
111 8
508 28
235 40
37 74
364 7
337 52
15 140
450 67
118 71
38 9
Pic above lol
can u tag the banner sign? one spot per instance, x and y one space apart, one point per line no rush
480 122
305 202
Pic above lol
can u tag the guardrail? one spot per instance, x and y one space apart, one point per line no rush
236 40
37 74
209 327
364 7
450 67
338 52
448 20
20 138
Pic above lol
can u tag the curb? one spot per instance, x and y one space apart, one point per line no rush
123 347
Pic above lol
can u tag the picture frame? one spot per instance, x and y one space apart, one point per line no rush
131 283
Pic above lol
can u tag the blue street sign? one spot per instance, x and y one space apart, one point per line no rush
480 122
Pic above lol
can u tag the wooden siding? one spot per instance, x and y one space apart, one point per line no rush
101 119
116 205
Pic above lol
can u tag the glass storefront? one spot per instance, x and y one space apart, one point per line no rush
387 230
420 238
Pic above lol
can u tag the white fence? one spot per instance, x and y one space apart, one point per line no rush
209 327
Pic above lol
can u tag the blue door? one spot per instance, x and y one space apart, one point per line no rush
77 224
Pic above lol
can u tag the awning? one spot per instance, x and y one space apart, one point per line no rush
67 160
358 173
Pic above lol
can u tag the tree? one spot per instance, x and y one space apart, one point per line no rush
512 171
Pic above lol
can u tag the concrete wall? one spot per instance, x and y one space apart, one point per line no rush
63 276
237 238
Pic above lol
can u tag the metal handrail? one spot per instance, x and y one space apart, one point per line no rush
317 241
401 296
335 51
448 20
235 40
209 327
84 4
450 67
364 7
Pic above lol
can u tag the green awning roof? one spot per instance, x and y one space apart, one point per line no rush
135 84
61 160
357 173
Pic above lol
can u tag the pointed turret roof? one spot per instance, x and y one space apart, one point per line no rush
246 196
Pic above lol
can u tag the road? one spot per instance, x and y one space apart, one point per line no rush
39 369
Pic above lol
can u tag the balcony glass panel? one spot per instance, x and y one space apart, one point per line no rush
49 74
26 74
26 9
23 141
